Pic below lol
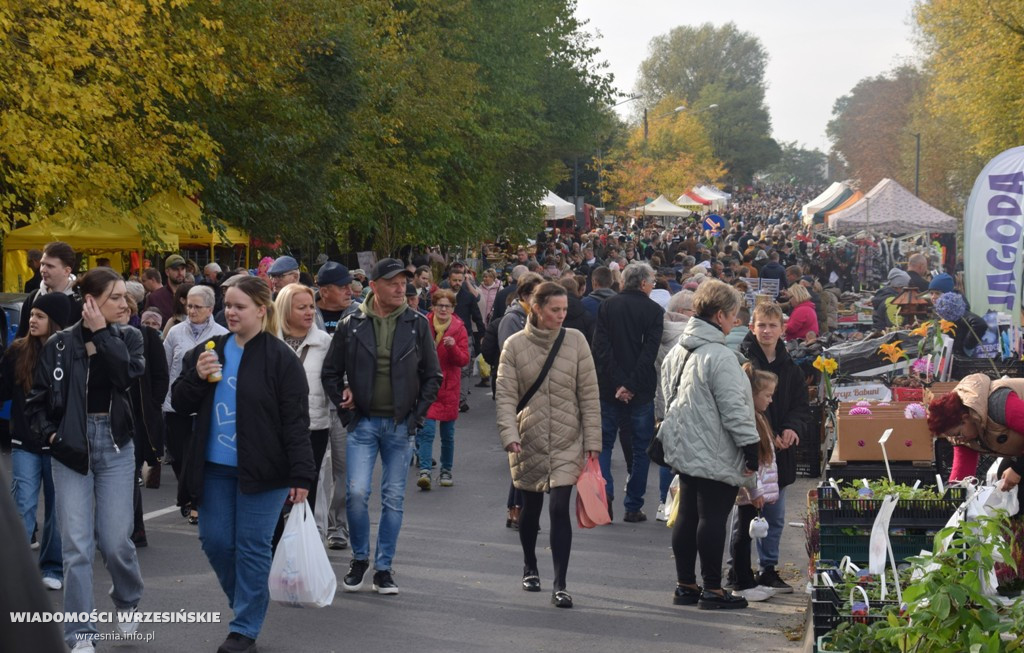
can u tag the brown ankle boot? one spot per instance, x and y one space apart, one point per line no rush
513 517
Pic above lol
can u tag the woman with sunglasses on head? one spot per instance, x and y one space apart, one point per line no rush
80 405
982 415
452 344
250 451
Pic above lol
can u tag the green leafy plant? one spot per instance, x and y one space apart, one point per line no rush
882 487
946 610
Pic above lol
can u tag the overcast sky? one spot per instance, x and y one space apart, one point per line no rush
817 50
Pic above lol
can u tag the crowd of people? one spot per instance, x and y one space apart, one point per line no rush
243 382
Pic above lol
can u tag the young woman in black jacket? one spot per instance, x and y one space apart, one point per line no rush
80 405
30 458
250 451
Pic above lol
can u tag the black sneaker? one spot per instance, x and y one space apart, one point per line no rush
237 643
686 595
463 406
634 517
139 539
725 601
383 583
770 578
337 543
353 580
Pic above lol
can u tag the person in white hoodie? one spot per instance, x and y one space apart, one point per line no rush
678 312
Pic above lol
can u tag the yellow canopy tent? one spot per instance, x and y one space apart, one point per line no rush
172 213
111 240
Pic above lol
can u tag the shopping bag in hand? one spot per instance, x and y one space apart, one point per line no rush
673 502
301 575
591 500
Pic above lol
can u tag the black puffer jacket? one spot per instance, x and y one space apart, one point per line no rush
57 402
272 396
789 408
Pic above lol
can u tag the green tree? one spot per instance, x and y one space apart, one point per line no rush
797 165
723 66
87 103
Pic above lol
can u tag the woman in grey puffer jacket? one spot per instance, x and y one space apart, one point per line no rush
710 439
677 314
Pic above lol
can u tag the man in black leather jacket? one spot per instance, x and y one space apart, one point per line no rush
382 372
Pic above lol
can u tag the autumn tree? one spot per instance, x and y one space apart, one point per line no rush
723 66
797 165
86 106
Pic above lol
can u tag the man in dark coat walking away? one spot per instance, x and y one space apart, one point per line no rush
789 414
626 343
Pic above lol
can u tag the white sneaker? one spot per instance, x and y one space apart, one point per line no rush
755 594
130 626
662 513
771 590
85 646
52 583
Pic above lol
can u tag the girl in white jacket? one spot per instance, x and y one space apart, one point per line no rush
750 501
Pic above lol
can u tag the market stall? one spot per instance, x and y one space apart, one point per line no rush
662 207
892 209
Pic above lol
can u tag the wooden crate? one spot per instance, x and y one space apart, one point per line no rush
857 435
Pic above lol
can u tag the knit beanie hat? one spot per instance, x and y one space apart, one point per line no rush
898 278
941 282
57 307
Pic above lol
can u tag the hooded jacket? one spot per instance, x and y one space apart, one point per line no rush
675 324
352 363
711 417
880 317
561 422
58 405
577 317
593 301
789 408
451 359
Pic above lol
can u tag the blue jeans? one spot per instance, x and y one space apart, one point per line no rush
425 445
373 435
235 530
665 477
641 416
29 471
96 509
768 547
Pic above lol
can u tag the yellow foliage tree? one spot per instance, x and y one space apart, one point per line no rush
675 155
86 96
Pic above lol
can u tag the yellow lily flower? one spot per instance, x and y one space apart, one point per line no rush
892 351
831 365
819 363
922 330
947 327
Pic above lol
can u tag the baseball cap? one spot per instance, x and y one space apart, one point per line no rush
333 274
173 261
388 268
283 265
410 290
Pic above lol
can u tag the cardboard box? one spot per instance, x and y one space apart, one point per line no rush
857 435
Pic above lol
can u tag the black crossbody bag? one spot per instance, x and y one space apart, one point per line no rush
543 372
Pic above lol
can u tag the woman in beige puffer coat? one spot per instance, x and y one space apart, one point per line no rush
546 441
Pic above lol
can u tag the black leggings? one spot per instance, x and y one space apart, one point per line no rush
179 432
704 507
741 570
561 529
319 438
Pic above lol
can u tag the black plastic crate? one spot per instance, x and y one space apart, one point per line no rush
809 460
994 367
827 616
835 544
902 472
916 513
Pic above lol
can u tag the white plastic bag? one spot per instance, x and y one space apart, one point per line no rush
301 575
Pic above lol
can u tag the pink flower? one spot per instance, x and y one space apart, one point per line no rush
860 443
908 443
860 410
914 411
863 404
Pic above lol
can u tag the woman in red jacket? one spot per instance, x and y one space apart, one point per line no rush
803 318
452 344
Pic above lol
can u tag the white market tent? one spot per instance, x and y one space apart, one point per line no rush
891 208
688 202
555 208
663 207
719 200
821 201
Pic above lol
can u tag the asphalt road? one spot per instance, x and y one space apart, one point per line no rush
459 568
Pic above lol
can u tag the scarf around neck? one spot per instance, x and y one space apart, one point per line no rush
439 330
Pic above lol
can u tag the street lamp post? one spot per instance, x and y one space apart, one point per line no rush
917 166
